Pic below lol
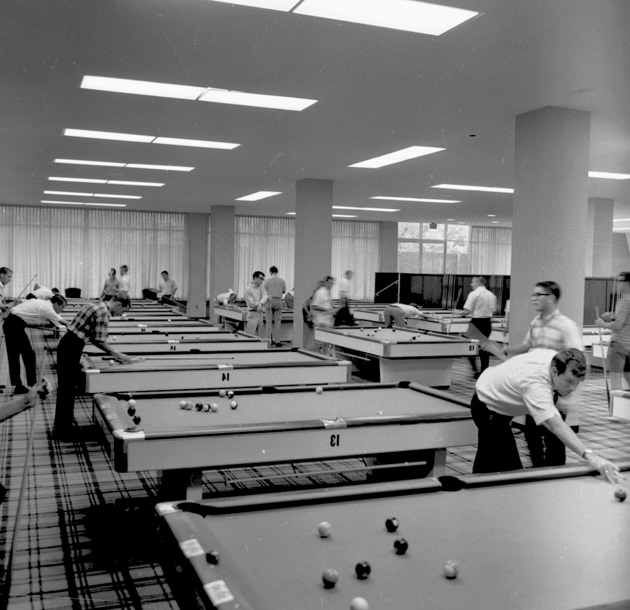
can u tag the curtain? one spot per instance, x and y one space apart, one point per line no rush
77 247
491 250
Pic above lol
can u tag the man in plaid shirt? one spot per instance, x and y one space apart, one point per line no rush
89 325
550 329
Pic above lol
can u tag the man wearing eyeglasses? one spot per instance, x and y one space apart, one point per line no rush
618 358
550 329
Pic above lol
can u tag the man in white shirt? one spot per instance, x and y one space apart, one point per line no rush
396 314
168 287
528 384
480 306
124 282
32 312
6 275
253 299
226 298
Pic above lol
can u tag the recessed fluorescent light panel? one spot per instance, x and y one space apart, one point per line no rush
466 187
343 216
74 194
407 15
168 168
128 137
345 207
609 176
201 94
259 195
397 157
99 181
386 198
104 205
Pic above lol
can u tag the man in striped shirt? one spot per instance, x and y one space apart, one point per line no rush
550 329
89 325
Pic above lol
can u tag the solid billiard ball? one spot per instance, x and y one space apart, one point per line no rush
359 603
451 569
137 420
131 402
413 338
233 404
189 405
222 393
199 406
324 529
392 524
401 546
206 408
230 394
330 578
620 494
131 411
362 570
212 558
319 389
214 407
182 404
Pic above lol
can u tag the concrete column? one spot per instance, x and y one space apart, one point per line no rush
549 227
600 246
389 247
197 230
222 231
313 244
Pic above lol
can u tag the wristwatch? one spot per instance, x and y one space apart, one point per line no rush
586 452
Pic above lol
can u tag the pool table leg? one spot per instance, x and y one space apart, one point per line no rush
180 484
439 464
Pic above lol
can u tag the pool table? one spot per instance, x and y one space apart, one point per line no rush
151 344
233 318
229 371
446 323
161 325
274 425
538 539
590 335
399 354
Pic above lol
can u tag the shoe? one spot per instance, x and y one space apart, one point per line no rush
20 389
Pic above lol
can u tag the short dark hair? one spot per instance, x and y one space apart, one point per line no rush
123 299
273 269
55 290
258 274
124 267
552 287
57 299
564 357
4 270
165 271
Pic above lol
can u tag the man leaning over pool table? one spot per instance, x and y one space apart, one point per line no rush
528 384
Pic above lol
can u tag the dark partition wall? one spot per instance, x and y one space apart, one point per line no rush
450 291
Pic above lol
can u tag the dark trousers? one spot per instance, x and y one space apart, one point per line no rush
19 346
545 448
69 353
343 317
484 326
496 447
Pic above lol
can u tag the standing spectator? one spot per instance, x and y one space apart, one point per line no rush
124 282
618 357
6 275
253 299
273 288
110 288
32 312
528 383
322 308
396 314
550 329
168 287
480 306
89 325
343 317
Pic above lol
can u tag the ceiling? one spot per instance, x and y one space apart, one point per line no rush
379 90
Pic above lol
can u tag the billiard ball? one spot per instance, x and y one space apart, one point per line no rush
206 408
112 363
359 603
212 558
233 404
319 389
214 407
230 394
330 578
451 569
182 404
401 546
189 405
131 411
324 529
199 406
131 402
379 412
222 393
392 524
413 338
362 570
137 419
620 494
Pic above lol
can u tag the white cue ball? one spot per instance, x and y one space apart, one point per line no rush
182 404
451 569
233 404
112 363
359 603
214 407
324 529
319 389
131 402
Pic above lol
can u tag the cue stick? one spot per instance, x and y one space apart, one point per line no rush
8 572
601 344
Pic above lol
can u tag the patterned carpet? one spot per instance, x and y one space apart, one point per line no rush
86 540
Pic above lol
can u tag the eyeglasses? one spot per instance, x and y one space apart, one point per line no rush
536 295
